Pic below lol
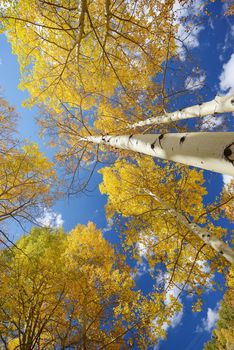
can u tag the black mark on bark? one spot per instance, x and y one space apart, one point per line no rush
160 138
228 152
182 139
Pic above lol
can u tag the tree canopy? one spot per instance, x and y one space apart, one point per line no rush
26 175
148 195
89 64
73 290
71 48
98 71
223 335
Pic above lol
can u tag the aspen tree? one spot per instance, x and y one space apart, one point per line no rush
61 290
219 105
166 216
208 150
26 175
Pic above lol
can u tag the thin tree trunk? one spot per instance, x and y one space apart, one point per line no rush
220 104
217 244
207 150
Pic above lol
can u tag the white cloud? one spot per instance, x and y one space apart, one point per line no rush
141 270
208 280
194 83
211 122
227 180
177 317
4 5
209 322
212 317
203 265
174 292
146 240
227 76
142 249
187 35
0 61
109 225
50 219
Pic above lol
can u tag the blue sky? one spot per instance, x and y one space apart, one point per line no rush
210 72
75 210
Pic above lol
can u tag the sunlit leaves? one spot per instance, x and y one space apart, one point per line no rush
223 335
151 229
68 48
71 290
78 58
26 175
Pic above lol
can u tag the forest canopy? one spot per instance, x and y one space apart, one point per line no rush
113 85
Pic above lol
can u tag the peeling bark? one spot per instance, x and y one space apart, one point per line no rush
205 235
212 151
220 104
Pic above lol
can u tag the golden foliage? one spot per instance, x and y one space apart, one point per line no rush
26 175
67 290
68 48
152 231
223 335
81 58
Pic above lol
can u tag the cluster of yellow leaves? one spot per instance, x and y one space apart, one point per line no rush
176 184
67 290
77 55
26 175
228 200
151 227
223 335
31 288
116 114
70 47
8 119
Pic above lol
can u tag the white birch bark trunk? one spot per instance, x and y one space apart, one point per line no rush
220 104
217 244
206 150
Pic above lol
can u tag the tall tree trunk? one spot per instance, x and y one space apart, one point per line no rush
217 244
220 104
207 150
